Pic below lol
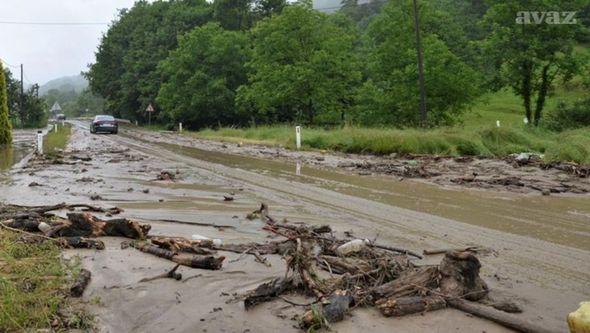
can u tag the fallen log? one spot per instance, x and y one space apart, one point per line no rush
442 251
86 225
410 304
409 283
194 261
459 273
80 284
497 316
268 291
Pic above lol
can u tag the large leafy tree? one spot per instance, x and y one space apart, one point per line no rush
201 77
531 56
303 68
5 126
391 95
125 72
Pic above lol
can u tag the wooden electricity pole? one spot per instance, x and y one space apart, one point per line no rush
22 99
423 114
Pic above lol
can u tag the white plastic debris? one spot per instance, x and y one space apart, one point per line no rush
216 241
351 247
44 227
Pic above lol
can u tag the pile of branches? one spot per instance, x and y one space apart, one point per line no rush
322 266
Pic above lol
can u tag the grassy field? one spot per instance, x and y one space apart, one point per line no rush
55 141
34 283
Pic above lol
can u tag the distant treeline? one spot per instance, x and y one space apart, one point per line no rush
244 62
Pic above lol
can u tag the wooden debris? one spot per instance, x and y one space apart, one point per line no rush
402 306
171 274
268 291
80 284
499 317
194 261
87 225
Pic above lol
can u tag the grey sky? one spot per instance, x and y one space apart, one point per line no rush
51 51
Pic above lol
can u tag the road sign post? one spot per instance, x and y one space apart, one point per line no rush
149 110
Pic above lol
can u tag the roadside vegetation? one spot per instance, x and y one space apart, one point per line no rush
34 282
5 127
55 142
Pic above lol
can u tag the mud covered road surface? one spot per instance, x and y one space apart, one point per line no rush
519 173
538 250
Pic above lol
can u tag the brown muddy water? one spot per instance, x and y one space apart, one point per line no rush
562 220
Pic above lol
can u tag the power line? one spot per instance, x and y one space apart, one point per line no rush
54 23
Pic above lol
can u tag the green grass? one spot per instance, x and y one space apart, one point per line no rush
56 141
34 281
476 134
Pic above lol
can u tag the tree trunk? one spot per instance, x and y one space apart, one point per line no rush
543 90
402 306
526 88
502 318
409 283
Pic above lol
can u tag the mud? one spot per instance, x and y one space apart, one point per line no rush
508 174
544 266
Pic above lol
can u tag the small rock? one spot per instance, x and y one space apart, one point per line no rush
546 191
147 190
34 184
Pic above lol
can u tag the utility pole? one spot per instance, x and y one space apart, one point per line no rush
22 96
423 114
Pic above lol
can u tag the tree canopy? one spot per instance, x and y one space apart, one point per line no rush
201 77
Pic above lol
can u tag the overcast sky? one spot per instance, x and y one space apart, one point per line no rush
51 51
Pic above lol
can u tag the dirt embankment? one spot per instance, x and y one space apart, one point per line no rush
521 173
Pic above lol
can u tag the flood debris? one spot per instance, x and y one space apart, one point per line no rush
171 274
381 276
81 282
166 175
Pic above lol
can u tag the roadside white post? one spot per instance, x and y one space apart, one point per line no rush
55 127
497 123
298 169
298 136
526 121
63 123
40 142
180 127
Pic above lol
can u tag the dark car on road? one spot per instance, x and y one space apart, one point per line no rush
104 123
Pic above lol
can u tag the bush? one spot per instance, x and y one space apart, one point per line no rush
5 126
568 117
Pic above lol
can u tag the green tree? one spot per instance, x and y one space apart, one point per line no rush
531 56
303 68
125 72
391 95
201 77
13 96
5 126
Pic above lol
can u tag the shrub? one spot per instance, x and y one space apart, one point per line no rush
5 126
567 117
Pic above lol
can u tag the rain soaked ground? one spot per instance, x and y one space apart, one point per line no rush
539 246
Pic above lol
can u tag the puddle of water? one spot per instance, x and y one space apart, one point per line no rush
558 219
10 155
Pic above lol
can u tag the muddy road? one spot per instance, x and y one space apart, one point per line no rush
539 246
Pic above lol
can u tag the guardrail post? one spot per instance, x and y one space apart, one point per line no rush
298 136
40 142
